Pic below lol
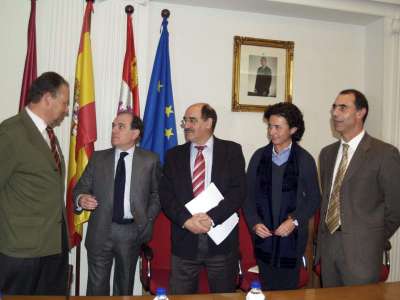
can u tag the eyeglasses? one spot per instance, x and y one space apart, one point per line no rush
190 120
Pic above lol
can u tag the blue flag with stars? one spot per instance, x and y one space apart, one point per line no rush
159 115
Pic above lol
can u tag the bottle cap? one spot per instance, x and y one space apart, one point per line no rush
161 291
255 284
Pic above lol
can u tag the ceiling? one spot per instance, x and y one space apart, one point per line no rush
363 14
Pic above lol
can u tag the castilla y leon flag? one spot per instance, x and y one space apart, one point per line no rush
83 125
129 96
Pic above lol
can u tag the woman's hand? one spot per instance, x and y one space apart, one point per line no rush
285 228
261 230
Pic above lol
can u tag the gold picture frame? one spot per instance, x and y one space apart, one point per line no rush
262 73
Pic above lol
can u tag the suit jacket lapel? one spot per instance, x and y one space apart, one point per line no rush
331 160
108 167
217 162
36 138
358 158
61 158
137 165
185 172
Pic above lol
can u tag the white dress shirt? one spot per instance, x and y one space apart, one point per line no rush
128 176
353 144
40 125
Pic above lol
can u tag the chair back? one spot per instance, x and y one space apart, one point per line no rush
161 243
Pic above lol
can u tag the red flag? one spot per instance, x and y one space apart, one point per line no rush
129 86
30 69
83 125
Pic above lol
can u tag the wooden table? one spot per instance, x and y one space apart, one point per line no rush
381 291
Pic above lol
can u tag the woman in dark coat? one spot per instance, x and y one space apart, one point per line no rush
283 194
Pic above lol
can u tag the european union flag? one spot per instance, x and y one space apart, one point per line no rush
159 115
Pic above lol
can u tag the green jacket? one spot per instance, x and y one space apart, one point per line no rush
31 191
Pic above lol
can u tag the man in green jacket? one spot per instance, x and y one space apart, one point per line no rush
33 234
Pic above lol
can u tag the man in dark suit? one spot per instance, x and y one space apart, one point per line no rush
360 197
188 170
33 234
263 79
120 187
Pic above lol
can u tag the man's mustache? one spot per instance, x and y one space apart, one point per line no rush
187 130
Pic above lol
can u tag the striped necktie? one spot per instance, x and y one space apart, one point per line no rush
333 213
53 147
199 172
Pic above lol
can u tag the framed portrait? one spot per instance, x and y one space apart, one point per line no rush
262 73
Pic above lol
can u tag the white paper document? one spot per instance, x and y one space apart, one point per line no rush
219 233
207 200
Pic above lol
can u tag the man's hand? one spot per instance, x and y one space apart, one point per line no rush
285 228
87 202
198 223
262 231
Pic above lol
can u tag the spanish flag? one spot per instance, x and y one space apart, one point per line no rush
129 96
83 125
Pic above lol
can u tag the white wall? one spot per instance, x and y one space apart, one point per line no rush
328 57
374 75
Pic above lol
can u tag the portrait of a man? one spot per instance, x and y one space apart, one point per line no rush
262 76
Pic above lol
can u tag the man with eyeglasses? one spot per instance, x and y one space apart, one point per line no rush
188 170
360 209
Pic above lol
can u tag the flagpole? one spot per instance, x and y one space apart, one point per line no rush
129 9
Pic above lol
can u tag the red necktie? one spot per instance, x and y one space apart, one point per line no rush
53 146
199 172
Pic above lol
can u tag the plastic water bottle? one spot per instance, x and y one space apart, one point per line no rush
161 294
255 292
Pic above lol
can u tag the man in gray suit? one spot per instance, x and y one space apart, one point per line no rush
33 231
360 197
120 187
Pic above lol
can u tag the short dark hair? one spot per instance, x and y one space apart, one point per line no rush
291 113
136 122
360 100
48 82
208 112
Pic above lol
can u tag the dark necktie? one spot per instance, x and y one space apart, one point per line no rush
53 147
119 189
199 172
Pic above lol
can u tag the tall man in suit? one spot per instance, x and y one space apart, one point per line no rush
263 79
360 197
33 234
188 170
120 187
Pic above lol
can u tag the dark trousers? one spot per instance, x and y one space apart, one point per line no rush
335 271
222 271
123 247
45 275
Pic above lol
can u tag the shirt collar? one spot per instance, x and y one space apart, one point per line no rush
38 121
209 144
355 141
284 151
130 151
